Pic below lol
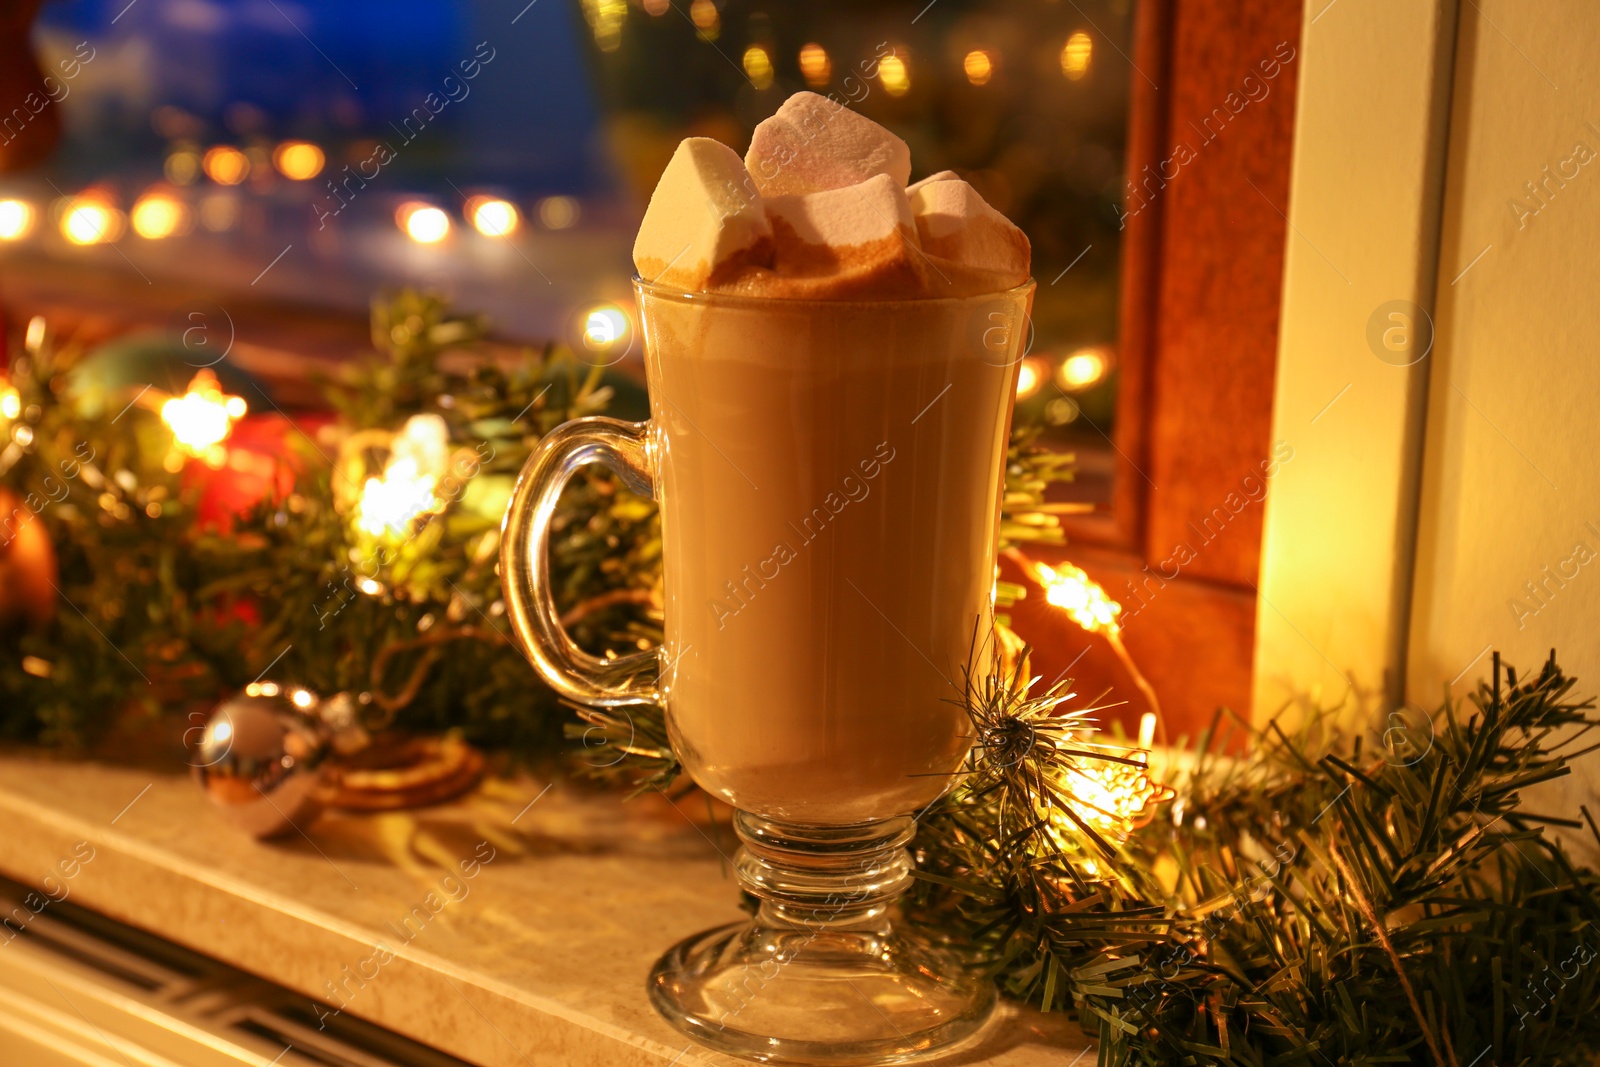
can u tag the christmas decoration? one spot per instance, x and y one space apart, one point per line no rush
1332 896
273 757
264 760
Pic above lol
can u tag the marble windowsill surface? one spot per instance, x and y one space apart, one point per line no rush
539 957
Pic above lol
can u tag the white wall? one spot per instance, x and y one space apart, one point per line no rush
1402 540
1510 484
1363 211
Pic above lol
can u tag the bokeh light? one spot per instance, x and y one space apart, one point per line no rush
493 218
226 165
604 327
558 212
605 19
895 74
159 214
87 220
979 67
706 19
1075 56
1029 377
1082 369
16 219
423 223
758 67
202 418
815 66
298 160
182 166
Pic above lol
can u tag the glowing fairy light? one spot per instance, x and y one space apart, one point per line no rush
1082 369
1075 55
1030 376
159 214
16 219
423 223
606 18
604 326
1070 588
225 165
706 18
1113 797
298 160
494 218
202 418
758 67
406 490
389 504
815 66
895 75
90 221
978 66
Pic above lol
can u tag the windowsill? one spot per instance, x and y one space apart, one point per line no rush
540 955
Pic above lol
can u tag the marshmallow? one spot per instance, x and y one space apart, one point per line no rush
705 220
942 176
860 240
814 144
954 223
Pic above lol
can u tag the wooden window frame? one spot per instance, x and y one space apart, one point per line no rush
1202 268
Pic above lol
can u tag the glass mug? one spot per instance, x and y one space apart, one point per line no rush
829 476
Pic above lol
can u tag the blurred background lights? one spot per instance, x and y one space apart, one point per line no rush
1029 377
423 223
979 67
1075 56
182 166
895 75
815 66
758 66
1062 410
493 218
226 165
202 418
705 17
605 19
558 212
1082 369
16 219
298 160
657 8
159 214
219 211
87 221
604 326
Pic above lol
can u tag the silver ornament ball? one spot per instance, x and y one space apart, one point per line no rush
264 759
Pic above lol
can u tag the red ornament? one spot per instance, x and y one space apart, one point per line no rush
261 466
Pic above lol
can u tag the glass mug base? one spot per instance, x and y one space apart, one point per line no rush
820 976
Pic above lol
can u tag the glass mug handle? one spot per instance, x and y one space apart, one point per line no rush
624 447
